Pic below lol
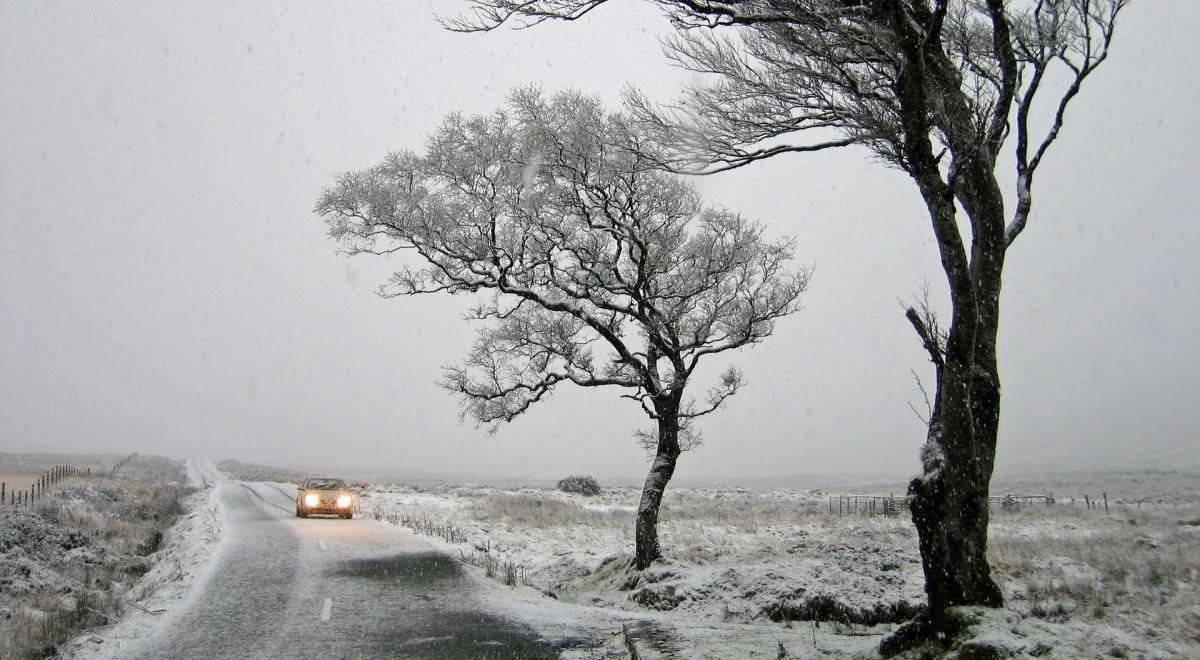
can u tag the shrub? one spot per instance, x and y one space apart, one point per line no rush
580 483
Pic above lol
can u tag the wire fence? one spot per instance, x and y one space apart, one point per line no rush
40 487
891 506
888 506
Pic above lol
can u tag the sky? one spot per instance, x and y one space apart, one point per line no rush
166 288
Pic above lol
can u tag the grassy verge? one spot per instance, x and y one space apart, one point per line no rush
67 562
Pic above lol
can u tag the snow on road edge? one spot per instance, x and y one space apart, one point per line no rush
588 632
181 566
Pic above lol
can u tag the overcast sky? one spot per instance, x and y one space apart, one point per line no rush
165 287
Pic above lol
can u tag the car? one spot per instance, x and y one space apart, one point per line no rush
324 496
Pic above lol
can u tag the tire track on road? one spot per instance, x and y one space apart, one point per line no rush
264 500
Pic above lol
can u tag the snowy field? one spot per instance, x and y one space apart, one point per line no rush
772 571
86 555
766 572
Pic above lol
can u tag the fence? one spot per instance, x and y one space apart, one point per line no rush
38 489
1010 501
888 506
1090 501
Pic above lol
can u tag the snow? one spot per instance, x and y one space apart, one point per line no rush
721 582
746 570
179 566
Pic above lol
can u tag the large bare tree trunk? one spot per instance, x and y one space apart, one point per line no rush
950 511
949 502
667 453
950 499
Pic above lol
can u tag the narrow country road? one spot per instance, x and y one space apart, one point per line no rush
284 587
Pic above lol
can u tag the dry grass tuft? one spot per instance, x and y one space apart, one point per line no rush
543 512
66 563
745 512
1097 569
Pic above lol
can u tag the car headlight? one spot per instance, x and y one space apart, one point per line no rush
312 499
343 501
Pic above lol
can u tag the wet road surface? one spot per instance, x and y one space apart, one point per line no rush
284 587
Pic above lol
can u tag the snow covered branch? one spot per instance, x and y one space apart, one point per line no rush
601 270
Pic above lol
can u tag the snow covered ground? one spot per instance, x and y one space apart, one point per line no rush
755 573
79 557
185 555
746 571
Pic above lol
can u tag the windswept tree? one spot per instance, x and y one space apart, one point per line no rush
597 269
936 88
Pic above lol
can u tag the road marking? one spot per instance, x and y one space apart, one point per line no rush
327 609
321 542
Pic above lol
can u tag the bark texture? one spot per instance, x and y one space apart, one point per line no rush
949 499
661 470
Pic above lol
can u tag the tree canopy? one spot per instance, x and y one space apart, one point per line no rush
602 269
550 203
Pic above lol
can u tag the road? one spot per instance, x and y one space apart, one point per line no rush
284 587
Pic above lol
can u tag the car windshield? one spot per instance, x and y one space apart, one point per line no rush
324 484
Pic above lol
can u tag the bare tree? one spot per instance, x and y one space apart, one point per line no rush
933 87
603 271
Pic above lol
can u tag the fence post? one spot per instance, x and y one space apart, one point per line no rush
1105 503
3 491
